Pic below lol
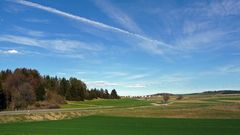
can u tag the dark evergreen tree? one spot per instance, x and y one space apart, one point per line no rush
68 95
3 104
77 89
106 94
114 94
101 93
64 87
93 94
40 93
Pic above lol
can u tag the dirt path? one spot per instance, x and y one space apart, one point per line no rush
52 110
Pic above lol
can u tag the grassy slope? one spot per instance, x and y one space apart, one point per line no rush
98 125
125 102
193 106
207 106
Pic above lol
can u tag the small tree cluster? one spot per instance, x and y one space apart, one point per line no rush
23 87
101 93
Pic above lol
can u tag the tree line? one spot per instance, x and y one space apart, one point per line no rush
24 88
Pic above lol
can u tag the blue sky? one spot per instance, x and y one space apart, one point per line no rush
138 47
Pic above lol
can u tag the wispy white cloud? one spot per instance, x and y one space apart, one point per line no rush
81 72
224 8
62 45
115 74
137 76
11 51
175 78
214 8
74 56
199 24
124 75
118 15
12 8
137 86
222 70
101 84
191 27
29 32
155 46
61 73
35 20
200 40
230 69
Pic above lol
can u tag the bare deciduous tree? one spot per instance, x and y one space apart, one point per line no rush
166 97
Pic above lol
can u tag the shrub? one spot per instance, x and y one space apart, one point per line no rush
54 98
53 106
180 97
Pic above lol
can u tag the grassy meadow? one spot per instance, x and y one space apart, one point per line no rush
208 114
100 125
125 102
210 106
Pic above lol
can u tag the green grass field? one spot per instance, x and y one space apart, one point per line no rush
206 106
193 115
100 125
125 102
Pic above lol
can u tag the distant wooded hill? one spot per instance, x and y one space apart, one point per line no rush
223 92
26 88
205 92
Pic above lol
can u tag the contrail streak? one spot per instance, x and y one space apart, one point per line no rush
155 44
